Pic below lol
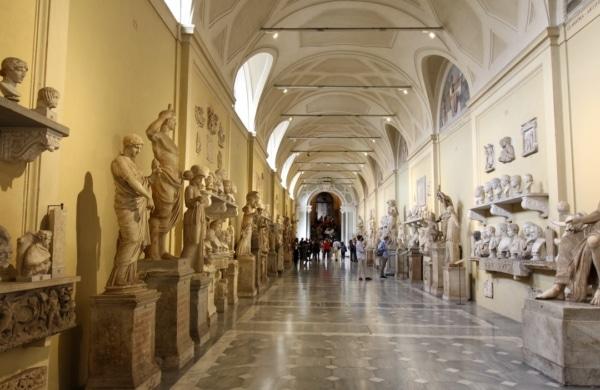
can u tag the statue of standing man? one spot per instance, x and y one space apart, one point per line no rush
166 182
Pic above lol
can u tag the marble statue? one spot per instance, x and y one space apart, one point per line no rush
166 182
372 231
578 253
210 182
47 101
517 244
218 183
244 245
508 232
488 245
497 188
505 185
489 191
360 227
7 271
212 237
133 201
479 195
450 229
194 219
428 234
13 71
389 224
413 241
508 150
527 183
33 254
515 185
490 158
228 191
534 243
401 242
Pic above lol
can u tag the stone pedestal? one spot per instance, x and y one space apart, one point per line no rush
427 270
272 263
261 271
246 276
199 329
280 260
221 293
438 254
562 340
232 282
391 267
122 340
288 259
415 266
370 257
455 284
211 272
172 278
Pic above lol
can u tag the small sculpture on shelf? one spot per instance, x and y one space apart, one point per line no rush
219 177
166 182
497 188
209 182
228 190
7 271
578 253
508 232
489 191
527 183
479 195
517 243
47 101
508 151
13 71
488 245
505 184
515 185
34 259
133 202
534 245
213 242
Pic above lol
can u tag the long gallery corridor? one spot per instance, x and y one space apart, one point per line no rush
320 328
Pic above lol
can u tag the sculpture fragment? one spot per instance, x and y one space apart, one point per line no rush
13 71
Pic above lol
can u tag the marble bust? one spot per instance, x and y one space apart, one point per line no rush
508 151
497 188
527 183
47 101
7 271
515 185
489 191
505 184
534 243
34 256
13 71
479 195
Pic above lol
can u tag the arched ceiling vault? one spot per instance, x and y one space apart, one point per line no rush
479 36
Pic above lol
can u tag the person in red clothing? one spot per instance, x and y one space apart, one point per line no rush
326 249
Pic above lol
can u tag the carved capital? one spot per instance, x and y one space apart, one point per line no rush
26 144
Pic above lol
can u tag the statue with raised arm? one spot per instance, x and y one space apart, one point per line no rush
166 182
133 201
578 252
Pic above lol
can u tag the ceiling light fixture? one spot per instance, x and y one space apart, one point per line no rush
339 86
339 115
388 119
285 90
276 35
405 91
365 28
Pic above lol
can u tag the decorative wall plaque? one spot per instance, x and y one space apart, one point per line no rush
530 141
490 158
212 121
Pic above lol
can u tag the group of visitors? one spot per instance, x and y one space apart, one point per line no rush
364 271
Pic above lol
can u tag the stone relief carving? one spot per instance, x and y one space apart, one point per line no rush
219 160
7 271
578 253
490 158
34 378
166 182
31 315
221 136
17 145
212 121
13 71
210 149
530 141
133 202
199 116
507 154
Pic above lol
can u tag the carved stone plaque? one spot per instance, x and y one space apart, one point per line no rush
34 378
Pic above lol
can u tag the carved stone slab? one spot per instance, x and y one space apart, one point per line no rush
505 266
34 310
34 378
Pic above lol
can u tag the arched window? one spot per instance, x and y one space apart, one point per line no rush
249 84
182 10
285 169
293 183
274 142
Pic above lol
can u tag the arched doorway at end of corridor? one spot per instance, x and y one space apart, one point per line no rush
325 216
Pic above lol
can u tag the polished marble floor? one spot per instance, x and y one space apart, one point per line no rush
318 327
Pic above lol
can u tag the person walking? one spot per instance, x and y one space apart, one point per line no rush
382 254
296 251
361 256
352 247
343 249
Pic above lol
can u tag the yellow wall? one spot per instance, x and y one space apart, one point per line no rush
421 165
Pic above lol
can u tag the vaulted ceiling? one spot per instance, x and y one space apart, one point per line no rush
478 36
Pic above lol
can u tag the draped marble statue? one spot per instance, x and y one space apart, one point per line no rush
166 182
244 245
450 227
194 219
133 201
578 252
389 224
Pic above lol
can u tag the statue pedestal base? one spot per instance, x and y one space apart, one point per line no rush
438 256
280 260
232 282
272 263
370 257
221 293
246 277
391 267
415 266
199 329
455 284
172 278
561 340
427 273
122 340
262 279
402 264
288 260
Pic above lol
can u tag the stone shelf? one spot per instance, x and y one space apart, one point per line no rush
32 311
540 265
221 208
25 133
415 221
506 207
516 268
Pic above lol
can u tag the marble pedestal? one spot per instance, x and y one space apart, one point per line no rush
415 266
401 264
455 284
231 274
247 270
280 260
221 295
370 256
172 278
122 340
391 267
562 340
199 329
438 256
288 259
261 271
272 263
427 273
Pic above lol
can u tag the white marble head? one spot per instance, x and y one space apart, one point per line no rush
5 249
